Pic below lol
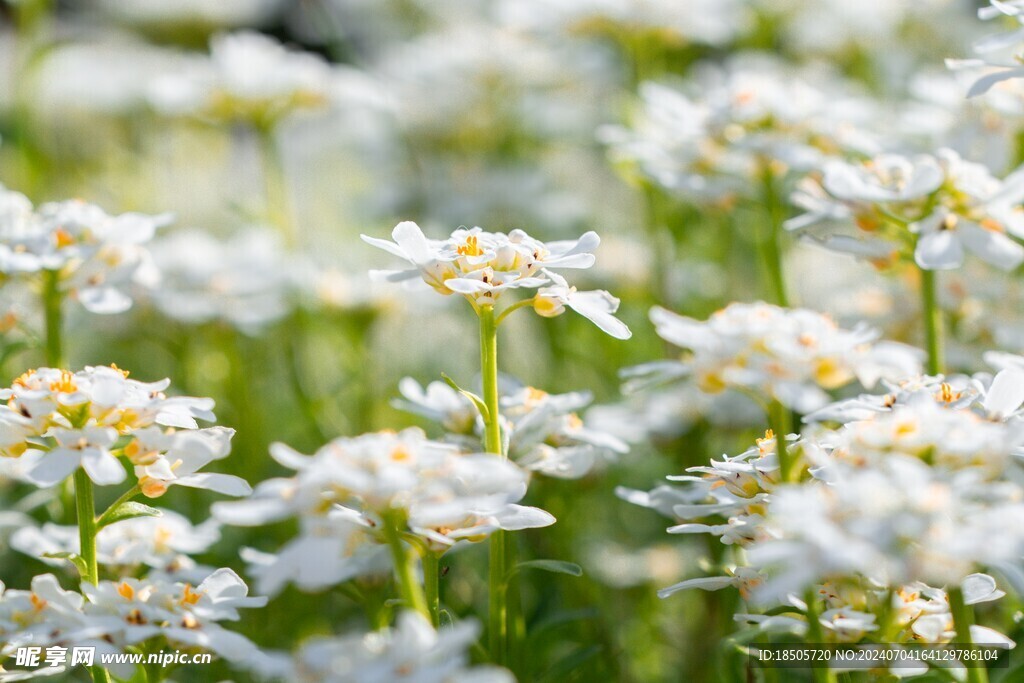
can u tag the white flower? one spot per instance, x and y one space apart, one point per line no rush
544 432
161 543
790 355
596 306
411 651
481 265
251 76
445 495
994 48
96 255
242 280
930 208
62 420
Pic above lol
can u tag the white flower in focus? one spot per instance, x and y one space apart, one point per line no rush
62 420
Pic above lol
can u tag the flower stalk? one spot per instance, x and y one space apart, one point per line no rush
85 505
405 566
963 619
431 585
932 322
502 604
770 248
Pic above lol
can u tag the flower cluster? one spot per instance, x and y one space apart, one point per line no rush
94 256
348 491
132 613
928 208
60 421
718 136
411 650
788 355
544 432
482 265
251 77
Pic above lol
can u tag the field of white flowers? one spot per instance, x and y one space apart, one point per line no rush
733 363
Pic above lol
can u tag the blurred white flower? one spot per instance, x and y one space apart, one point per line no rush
544 432
410 651
931 207
243 280
95 255
789 355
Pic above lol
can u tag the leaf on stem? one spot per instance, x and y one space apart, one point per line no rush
477 401
553 566
126 510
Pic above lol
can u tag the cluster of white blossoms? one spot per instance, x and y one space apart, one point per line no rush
544 432
788 355
161 543
915 488
931 209
252 77
347 491
410 651
482 265
739 119
141 614
94 256
59 421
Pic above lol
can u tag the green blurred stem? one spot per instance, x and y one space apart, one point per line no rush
771 251
431 584
278 202
814 635
503 604
52 300
405 565
963 619
932 321
781 419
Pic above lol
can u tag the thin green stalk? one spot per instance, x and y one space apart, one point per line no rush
405 567
822 674
932 321
52 301
431 584
86 509
770 248
781 420
497 613
963 619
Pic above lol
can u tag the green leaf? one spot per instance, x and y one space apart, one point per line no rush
127 510
575 660
73 558
477 401
553 566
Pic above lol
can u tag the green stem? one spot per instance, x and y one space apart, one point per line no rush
814 634
771 250
86 508
52 301
405 566
431 583
932 321
963 619
504 615
781 420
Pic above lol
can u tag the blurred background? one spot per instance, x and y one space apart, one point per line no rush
536 114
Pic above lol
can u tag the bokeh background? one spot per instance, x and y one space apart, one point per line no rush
502 114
